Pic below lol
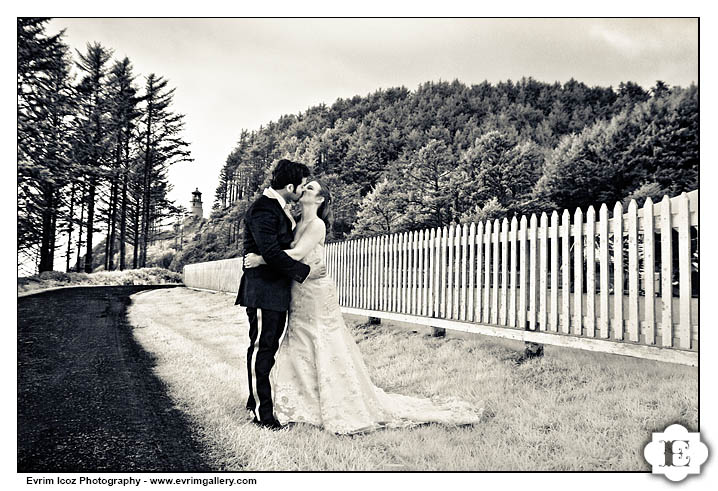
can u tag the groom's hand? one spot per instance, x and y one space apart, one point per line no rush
317 270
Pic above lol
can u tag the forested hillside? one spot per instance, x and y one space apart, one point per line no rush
448 152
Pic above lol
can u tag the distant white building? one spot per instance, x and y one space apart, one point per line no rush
197 203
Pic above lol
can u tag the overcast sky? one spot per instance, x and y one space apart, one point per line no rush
234 74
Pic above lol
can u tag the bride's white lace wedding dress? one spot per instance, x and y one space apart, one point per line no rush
320 377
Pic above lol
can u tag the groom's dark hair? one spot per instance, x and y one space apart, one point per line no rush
288 172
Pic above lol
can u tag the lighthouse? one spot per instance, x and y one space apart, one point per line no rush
197 203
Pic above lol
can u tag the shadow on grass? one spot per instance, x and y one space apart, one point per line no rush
88 399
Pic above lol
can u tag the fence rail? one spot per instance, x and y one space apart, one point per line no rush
625 284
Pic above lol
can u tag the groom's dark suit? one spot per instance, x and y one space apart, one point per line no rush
265 291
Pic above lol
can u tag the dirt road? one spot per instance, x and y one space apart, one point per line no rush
87 397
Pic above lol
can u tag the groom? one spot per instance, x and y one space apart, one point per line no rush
265 290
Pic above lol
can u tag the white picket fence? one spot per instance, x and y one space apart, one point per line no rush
550 280
539 279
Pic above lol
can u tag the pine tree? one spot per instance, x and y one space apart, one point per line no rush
94 130
45 108
124 110
161 146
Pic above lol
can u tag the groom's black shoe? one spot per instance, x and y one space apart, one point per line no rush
270 425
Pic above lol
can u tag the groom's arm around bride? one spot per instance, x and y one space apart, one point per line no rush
268 233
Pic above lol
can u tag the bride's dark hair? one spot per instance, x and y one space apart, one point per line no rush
325 209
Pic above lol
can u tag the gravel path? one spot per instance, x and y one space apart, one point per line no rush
87 397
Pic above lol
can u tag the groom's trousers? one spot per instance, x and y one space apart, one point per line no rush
265 331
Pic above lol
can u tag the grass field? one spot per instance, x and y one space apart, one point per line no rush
570 410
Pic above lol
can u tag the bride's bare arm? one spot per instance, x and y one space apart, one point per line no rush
313 235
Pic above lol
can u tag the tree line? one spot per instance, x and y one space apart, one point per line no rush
400 160
93 153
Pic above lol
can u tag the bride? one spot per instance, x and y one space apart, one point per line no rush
320 377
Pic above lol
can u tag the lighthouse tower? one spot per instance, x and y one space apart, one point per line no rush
197 203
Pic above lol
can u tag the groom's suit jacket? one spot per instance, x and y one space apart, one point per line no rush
268 231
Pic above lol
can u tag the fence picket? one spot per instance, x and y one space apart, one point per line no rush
364 268
442 276
450 272
431 312
423 274
410 269
632 224
666 273
335 270
436 254
504 271
373 256
457 270
367 272
421 307
380 273
405 267
418 264
618 271
649 268
387 272
356 283
523 233
487 271
376 268
356 246
684 273
578 272
565 272
328 258
495 263
352 277
406 274
513 242
464 267
390 273
420 272
340 268
479 263
495 258
376 303
543 272
533 267
347 267
471 300
591 272
370 272
399 271
357 273
604 324
555 246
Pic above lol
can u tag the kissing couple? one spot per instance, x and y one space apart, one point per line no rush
320 377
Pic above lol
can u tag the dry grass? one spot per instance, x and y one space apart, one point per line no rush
54 279
570 410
